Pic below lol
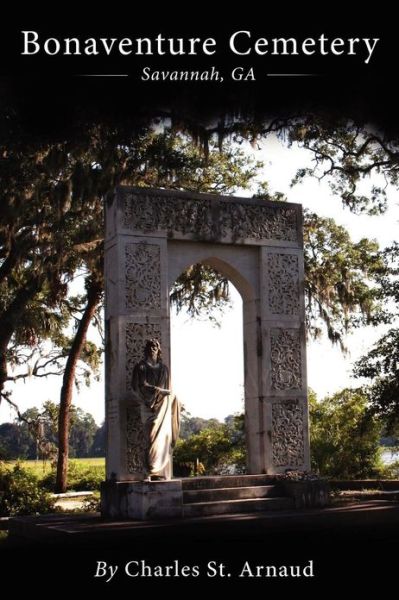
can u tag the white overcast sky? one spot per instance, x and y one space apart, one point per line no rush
207 362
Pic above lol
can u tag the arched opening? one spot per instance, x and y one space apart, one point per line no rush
207 364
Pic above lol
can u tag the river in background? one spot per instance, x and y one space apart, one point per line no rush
389 456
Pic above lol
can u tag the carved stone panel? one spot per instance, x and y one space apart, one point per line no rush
209 218
136 335
143 276
135 441
283 274
288 434
286 360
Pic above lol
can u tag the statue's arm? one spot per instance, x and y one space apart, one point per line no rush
140 383
162 389
155 388
165 390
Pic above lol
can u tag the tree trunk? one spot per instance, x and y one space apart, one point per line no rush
93 298
3 365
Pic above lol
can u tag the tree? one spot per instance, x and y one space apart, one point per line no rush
24 439
82 433
94 294
15 443
381 363
347 153
344 435
342 279
99 441
191 425
218 449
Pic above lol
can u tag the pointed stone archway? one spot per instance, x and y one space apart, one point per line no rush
151 237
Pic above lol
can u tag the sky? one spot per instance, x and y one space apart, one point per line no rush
208 378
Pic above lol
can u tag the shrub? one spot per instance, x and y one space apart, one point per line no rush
216 451
344 436
20 493
390 471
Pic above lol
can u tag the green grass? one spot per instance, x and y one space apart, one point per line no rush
40 468
83 473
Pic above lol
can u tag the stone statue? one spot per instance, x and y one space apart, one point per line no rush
160 411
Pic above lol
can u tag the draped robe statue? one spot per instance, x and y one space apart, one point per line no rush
160 411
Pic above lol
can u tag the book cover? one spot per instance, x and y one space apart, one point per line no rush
241 77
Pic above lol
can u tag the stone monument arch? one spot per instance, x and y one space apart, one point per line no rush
152 236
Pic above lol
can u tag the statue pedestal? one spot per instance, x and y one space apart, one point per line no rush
142 500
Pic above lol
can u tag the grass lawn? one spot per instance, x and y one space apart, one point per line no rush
40 468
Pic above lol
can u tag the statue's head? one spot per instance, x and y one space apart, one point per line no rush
152 349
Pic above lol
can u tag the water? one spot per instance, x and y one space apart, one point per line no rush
388 456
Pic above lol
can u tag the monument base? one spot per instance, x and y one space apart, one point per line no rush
308 493
142 500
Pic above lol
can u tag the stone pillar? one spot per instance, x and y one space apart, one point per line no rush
136 309
282 385
252 369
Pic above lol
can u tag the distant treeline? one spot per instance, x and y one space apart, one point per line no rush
31 437
35 436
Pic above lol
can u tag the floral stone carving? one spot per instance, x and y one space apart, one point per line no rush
283 273
135 441
143 276
287 434
286 362
209 218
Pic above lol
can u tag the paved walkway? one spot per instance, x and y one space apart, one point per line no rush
356 543
361 517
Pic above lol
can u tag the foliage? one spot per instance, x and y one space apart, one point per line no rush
172 160
98 445
24 440
202 292
382 359
15 442
20 494
191 425
82 433
220 449
347 154
341 279
81 477
390 471
381 363
344 436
